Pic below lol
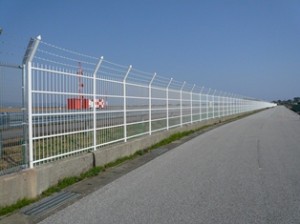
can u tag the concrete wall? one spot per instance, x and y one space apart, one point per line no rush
30 183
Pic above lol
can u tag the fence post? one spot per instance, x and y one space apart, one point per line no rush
240 104
207 104
25 146
227 104
231 100
232 103
200 107
181 103
150 104
125 104
94 102
1 148
27 60
237 104
168 124
213 96
224 104
219 105
192 103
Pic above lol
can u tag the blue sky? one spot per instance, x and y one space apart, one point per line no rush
250 48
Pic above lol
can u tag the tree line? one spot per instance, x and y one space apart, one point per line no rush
293 104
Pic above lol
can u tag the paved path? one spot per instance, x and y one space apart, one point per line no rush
247 171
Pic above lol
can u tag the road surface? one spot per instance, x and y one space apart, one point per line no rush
247 171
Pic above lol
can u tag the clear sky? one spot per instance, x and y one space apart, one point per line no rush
250 47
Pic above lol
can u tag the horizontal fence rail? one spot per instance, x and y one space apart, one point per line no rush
78 103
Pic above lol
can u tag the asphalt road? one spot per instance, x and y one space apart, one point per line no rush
247 171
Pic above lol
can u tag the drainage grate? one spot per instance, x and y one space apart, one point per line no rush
50 204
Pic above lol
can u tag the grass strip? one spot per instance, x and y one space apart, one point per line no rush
18 205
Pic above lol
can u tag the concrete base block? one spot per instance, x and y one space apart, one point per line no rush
17 186
49 174
30 183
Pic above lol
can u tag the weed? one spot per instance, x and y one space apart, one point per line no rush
19 204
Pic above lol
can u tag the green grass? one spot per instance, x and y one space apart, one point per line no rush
119 161
56 188
19 204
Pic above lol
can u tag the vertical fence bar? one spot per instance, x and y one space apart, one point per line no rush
240 104
29 110
200 101
219 105
232 100
150 104
168 103
25 137
27 60
207 104
191 99
223 104
227 104
125 103
236 104
232 104
94 103
214 103
181 103
1 150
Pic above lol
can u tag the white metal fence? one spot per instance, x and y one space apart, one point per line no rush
77 103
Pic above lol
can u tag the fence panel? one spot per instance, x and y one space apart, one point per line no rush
13 156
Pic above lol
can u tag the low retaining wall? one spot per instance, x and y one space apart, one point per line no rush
30 183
